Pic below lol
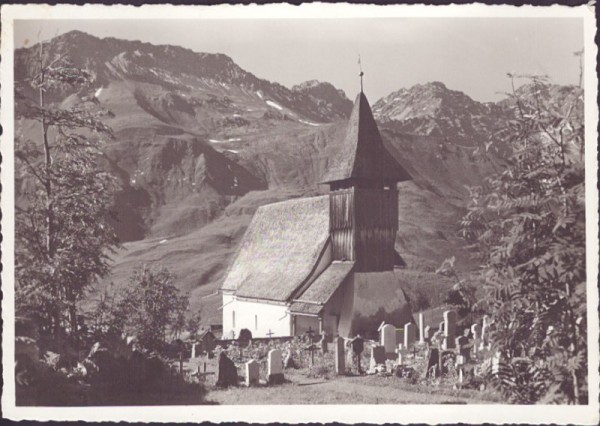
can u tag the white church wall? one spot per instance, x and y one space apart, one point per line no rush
259 318
228 308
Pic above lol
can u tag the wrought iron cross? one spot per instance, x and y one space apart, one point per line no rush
312 348
270 333
310 333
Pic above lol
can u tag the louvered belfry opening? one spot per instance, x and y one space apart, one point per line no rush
363 225
363 198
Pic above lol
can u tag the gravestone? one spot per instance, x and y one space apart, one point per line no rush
244 337
476 331
449 329
357 344
428 334
421 328
323 343
289 362
410 334
437 339
227 373
496 363
193 355
340 356
432 361
399 335
442 326
463 347
378 354
274 367
460 362
388 338
252 372
401 354
377 357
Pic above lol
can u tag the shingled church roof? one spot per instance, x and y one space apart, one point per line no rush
363 153
280 249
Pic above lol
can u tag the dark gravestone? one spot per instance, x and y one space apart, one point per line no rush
463 346
378 354
227 374
244 337
289 362
358 345
432 361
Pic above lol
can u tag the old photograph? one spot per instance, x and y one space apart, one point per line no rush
327 205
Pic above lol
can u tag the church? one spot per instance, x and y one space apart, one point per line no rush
325 263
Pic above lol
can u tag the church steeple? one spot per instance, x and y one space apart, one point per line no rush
363 213
362 155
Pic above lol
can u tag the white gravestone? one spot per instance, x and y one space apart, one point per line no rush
388 338
421 328
449 329
401 354
193 351
252 372
410 335
274 367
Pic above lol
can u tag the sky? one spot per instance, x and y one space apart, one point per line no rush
472 55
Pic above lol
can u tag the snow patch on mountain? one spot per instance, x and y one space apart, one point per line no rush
274 105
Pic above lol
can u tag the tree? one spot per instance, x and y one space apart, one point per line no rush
193 323
62 234
151 307
528 224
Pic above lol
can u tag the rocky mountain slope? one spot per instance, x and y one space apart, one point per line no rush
434 110
200 144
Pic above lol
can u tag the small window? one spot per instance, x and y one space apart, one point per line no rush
255 322
233 318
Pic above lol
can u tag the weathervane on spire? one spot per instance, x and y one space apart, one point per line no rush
361 74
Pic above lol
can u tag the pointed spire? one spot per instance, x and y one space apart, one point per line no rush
362 154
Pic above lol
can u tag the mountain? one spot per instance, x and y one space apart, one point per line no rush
180 121
201 143
434 110
210 87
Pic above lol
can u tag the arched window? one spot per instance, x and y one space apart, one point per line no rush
255 322
233 318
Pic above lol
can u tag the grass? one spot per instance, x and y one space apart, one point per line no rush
344 390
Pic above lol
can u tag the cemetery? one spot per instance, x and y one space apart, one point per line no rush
413 364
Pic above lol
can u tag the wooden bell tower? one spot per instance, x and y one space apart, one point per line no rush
363 211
